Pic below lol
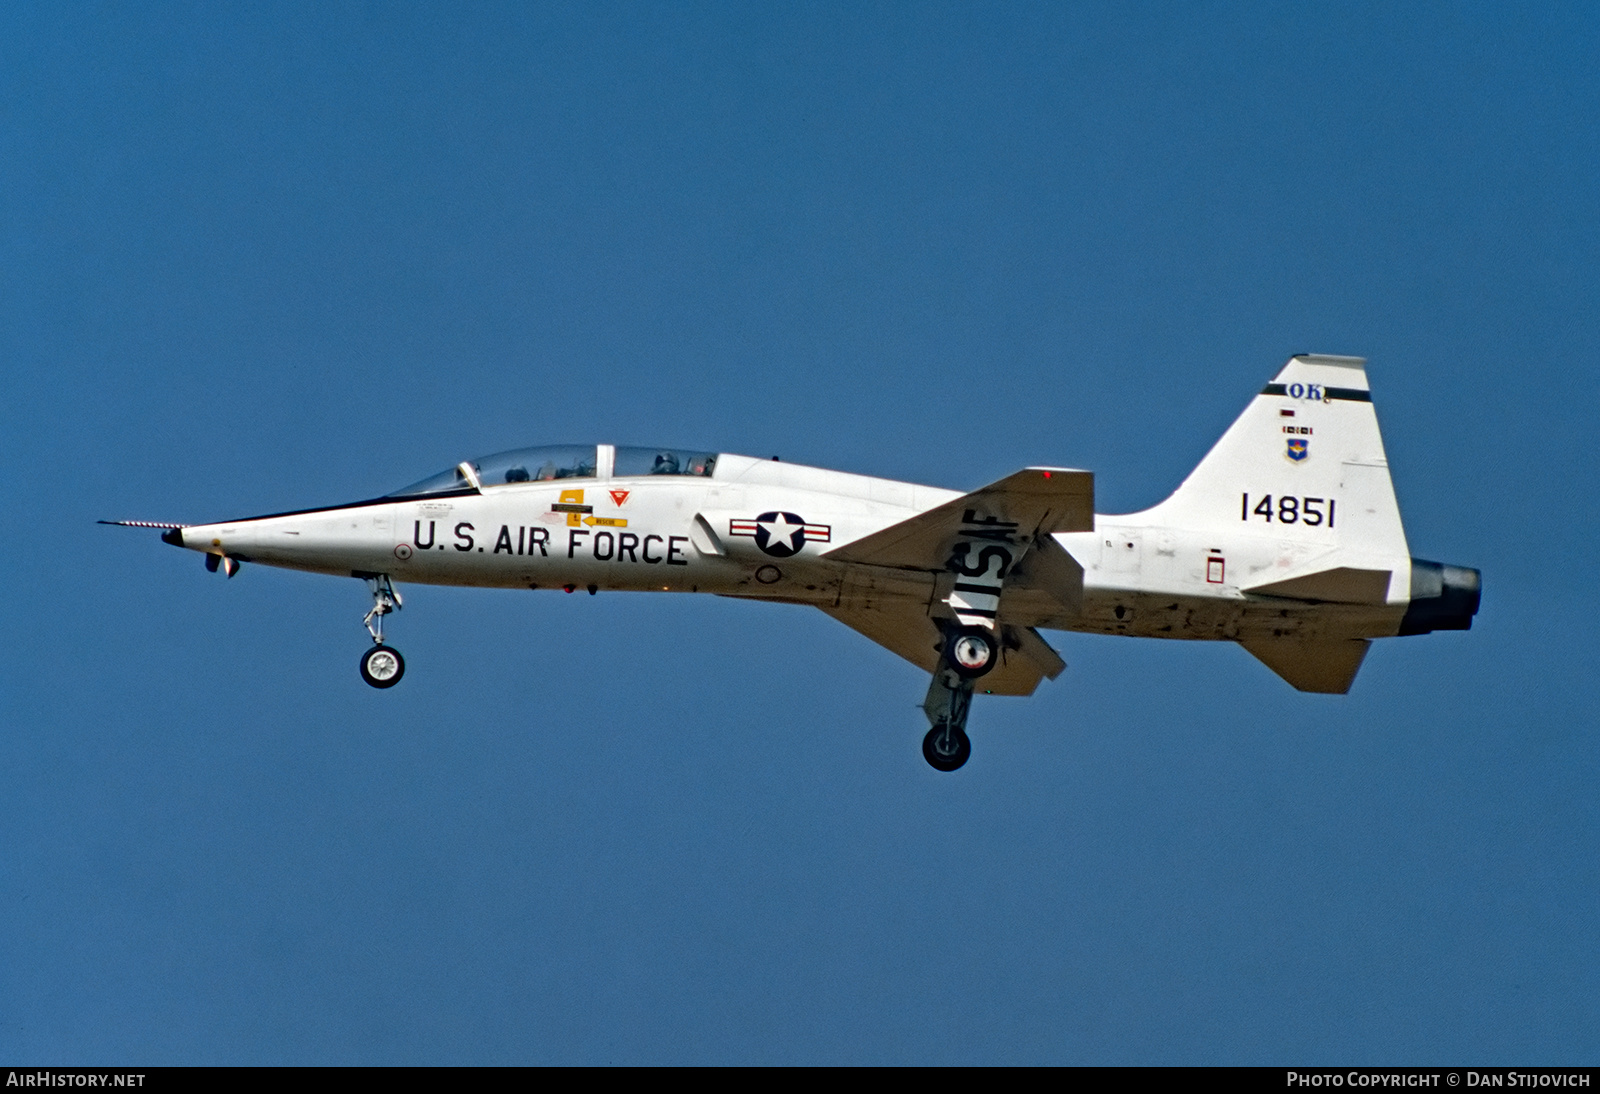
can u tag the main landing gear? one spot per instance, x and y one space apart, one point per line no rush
968 654
381 666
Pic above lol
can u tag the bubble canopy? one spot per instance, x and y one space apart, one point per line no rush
548 463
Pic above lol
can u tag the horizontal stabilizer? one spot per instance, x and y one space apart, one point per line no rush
1038 500
1341 585
906 629
1328 666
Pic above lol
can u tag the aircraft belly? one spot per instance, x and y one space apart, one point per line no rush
1155 614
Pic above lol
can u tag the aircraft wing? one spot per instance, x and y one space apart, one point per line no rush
1039 500
907 629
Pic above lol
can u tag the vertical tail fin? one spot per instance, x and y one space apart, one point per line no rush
1306 451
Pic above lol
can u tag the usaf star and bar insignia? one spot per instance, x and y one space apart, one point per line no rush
780 534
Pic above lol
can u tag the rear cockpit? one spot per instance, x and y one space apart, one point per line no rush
549 463
637 462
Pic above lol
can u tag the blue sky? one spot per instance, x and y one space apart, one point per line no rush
265 258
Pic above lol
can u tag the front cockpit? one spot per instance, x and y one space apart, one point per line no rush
549 463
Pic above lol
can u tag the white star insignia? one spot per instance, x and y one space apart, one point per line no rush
781 531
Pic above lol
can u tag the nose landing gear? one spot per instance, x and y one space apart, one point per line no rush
381 666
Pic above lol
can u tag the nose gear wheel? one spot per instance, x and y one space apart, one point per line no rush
382 667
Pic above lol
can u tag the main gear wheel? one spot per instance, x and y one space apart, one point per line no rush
946 747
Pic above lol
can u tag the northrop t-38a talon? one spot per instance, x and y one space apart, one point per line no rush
1285 539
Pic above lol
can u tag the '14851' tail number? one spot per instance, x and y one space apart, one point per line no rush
1288 509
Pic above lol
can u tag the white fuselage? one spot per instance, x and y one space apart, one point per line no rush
1285 538
667 533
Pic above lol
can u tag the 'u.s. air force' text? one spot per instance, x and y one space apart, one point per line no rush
649 549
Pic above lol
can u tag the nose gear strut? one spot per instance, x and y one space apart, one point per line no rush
384 601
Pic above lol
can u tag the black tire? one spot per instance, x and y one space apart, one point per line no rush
973 652
382 666
946 747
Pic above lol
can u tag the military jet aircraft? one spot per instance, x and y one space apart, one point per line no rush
1285 539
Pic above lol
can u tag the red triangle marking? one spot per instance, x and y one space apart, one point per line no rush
619 496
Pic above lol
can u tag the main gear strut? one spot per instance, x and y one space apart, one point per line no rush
946 747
